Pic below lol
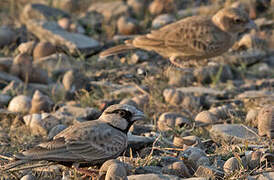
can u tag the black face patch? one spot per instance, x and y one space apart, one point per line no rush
124 114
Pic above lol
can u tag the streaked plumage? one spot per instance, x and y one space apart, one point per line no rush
87 143
192 38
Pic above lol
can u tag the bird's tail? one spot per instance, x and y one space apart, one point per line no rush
117 50
12 165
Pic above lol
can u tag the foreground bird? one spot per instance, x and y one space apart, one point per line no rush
192 38
88 143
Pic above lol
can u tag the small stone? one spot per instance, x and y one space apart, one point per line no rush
27 47
110 168
40 103
56 130
64 23
28 177
74 80
204 161
178 78
187 140
41 124
137 142
20 104
250 41
206 74
148 170
162 6
105 166
231 165
206 118
162 20
116 171
23 68
253 159
153 177
7 36
232 133
266 121
138 6
75 43
110 10
92 20
4 100
170 120
177 168
43 49
58 62
141 102
209 172
34 11
67 5
222 112
177 98
127 25
138 57
69 113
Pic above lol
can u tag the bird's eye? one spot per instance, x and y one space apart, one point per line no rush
237 21
122 113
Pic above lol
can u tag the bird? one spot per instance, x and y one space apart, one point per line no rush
191 38
85 144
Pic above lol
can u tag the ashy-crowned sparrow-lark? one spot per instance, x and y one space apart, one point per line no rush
87 143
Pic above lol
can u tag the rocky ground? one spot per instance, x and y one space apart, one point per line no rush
214 121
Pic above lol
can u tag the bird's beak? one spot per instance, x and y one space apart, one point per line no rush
251 25
139 115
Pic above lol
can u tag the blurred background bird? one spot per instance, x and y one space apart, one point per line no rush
192 38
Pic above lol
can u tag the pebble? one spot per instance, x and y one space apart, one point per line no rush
177 168
138 7
153 177
20 103
232 133
27 47
206 118
169 120
253 159
55 130
41 124
208 172
7 36
162 20
231 165
116 171
28 177
110 10
177 98
4 100
65 23
162 6
127 25
43 49
74 80
40 103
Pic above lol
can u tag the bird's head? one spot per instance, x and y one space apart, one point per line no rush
121 116
233 20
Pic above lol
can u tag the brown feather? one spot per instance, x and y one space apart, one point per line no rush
116 50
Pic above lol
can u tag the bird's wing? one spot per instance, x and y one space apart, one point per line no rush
90 141
101 143
191 36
